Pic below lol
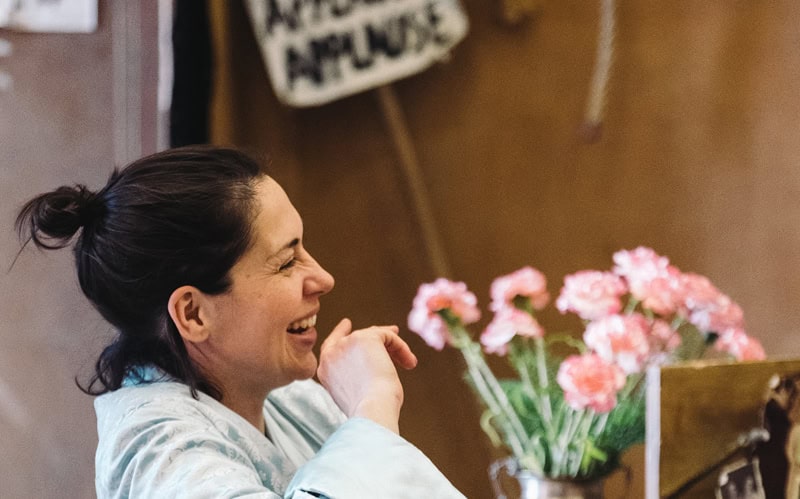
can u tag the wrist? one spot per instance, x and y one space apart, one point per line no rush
381 411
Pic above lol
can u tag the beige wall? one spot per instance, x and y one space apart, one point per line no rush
54 129
78 106
699 160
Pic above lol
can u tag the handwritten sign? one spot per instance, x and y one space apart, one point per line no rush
317 51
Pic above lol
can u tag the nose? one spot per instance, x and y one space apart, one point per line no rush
319 281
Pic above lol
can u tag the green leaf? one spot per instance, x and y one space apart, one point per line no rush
487 425
693 343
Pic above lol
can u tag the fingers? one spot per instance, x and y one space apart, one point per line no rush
396 347
399 351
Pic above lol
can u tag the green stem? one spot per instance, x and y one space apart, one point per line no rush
544 383
632 388
582 436
631 306
521 359
574 419
495 398
600 427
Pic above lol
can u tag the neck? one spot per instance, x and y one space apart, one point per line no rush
245 400
249 407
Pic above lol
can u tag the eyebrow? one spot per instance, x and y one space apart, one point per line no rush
291 245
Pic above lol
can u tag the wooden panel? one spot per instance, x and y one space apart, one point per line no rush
696 413
698 160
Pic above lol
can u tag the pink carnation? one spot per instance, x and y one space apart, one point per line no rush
622 339
434 297
663 338
651 279
589 381
639 265
725 314
697 290
707 307
737 343
507 323
527 282
591 294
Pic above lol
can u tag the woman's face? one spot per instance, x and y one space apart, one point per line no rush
264 328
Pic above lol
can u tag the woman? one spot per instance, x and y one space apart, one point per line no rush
196 257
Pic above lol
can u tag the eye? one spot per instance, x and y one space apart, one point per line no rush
289 264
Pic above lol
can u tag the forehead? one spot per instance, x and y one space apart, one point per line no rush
277 222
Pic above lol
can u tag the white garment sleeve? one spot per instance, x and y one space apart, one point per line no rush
362 459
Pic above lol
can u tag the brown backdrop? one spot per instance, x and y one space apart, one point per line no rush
698 160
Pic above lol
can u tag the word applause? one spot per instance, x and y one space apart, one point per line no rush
320 50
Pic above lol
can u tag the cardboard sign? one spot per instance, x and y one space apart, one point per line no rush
317 51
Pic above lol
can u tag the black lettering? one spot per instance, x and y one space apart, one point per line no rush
360 56
273 15
320 61
326 57
340 8
291 18
434 20
387 38
316 16
420 34
396 36
298 67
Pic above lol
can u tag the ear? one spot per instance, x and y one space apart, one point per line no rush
188 308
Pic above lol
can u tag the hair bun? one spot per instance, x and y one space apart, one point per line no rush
89 206
53 218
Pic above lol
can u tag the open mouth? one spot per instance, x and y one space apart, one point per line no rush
301 326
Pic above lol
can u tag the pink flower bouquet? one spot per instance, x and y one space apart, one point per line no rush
572 416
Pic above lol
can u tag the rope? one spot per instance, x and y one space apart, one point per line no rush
598 88
395 121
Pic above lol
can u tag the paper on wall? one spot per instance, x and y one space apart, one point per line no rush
53 16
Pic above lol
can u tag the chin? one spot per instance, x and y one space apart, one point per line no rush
306 371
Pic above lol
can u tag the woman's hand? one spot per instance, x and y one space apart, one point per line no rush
357 368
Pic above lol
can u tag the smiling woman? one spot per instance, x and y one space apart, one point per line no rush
196 257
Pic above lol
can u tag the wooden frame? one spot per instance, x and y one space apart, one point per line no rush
695 413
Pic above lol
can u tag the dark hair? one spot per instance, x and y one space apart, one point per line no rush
179 217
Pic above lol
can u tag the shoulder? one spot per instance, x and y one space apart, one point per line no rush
163 416
140 402
140 414
150 435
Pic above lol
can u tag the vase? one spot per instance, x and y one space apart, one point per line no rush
532 486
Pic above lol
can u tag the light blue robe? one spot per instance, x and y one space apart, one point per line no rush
156 441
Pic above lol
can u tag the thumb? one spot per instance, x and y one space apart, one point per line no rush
340 331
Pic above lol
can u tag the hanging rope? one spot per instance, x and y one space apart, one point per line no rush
591 128
404 145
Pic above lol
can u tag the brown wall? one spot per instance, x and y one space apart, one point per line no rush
699 160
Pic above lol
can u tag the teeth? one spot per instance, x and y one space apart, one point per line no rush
303 324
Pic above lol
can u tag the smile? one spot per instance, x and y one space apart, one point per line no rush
301 326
